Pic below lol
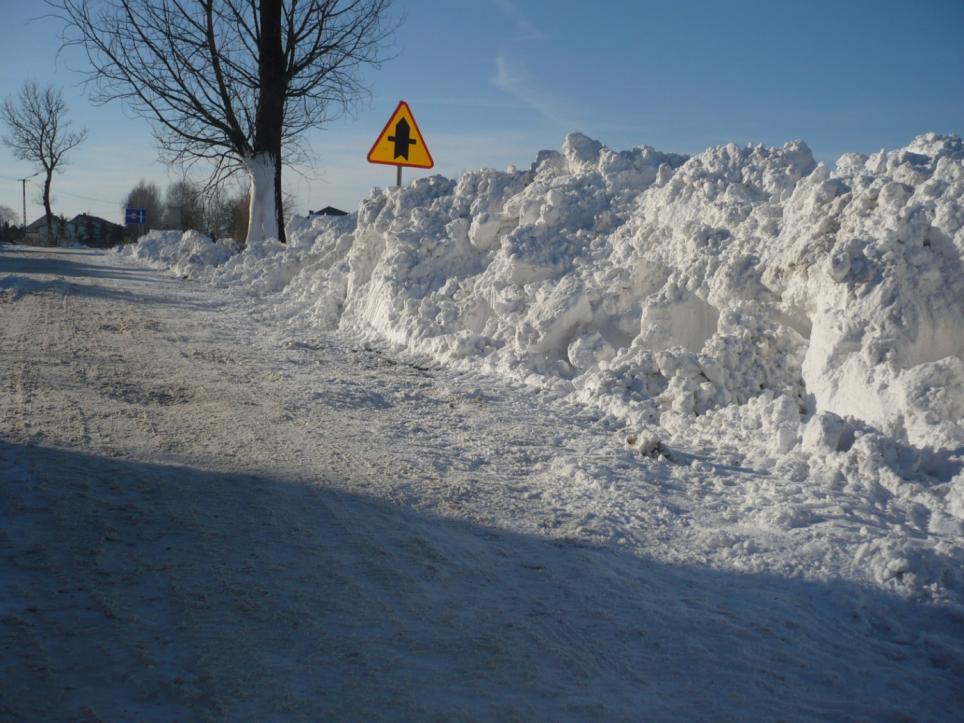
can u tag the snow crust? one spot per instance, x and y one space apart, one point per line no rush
747 302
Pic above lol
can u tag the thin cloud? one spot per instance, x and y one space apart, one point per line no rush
526 29
513 80
470 103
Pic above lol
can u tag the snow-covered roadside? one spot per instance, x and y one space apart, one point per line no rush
208 516
746 309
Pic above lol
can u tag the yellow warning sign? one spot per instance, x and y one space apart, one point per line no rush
401 142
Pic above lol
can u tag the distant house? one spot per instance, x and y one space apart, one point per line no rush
328 211
81 229
37 231
93 231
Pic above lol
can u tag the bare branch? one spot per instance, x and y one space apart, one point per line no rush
228 79
38 132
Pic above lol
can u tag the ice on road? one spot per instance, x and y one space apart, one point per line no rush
205 517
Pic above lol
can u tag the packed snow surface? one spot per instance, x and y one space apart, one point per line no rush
744 309
207 515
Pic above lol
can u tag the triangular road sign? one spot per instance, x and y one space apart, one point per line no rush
401 142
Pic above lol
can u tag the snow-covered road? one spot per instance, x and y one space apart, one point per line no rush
204 517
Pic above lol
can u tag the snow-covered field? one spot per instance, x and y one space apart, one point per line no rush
624 436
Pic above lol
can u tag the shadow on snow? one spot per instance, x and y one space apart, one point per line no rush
145 591
23 264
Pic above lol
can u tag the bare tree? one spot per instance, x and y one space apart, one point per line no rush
39 132
226 212
234 82
147 196
183 205
8 225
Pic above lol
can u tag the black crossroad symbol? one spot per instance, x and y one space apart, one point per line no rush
402 139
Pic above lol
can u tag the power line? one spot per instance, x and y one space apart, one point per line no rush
61 192
19 178
116 204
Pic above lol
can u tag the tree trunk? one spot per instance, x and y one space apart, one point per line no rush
264 165
262 214
278 201
48 214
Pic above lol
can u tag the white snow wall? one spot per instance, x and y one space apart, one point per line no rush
790 332
656 285
661 288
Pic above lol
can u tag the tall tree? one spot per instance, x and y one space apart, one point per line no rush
235 82
39 132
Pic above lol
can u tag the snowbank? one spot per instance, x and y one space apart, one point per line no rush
747 299
187 254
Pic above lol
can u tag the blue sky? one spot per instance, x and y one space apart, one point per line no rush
491 82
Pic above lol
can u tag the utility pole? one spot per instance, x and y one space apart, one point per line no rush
23 181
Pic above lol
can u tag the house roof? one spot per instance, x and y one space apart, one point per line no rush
81 219
328 211
86 217
41 223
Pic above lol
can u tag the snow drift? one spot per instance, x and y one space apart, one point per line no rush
746 299
186 254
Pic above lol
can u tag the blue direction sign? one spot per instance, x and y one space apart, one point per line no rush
135 216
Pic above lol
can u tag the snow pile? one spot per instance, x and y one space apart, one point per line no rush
744 299
187 254
671 285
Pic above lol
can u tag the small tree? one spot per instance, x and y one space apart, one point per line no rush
8 225
183 207
38 132
235 82
147 196
226 212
